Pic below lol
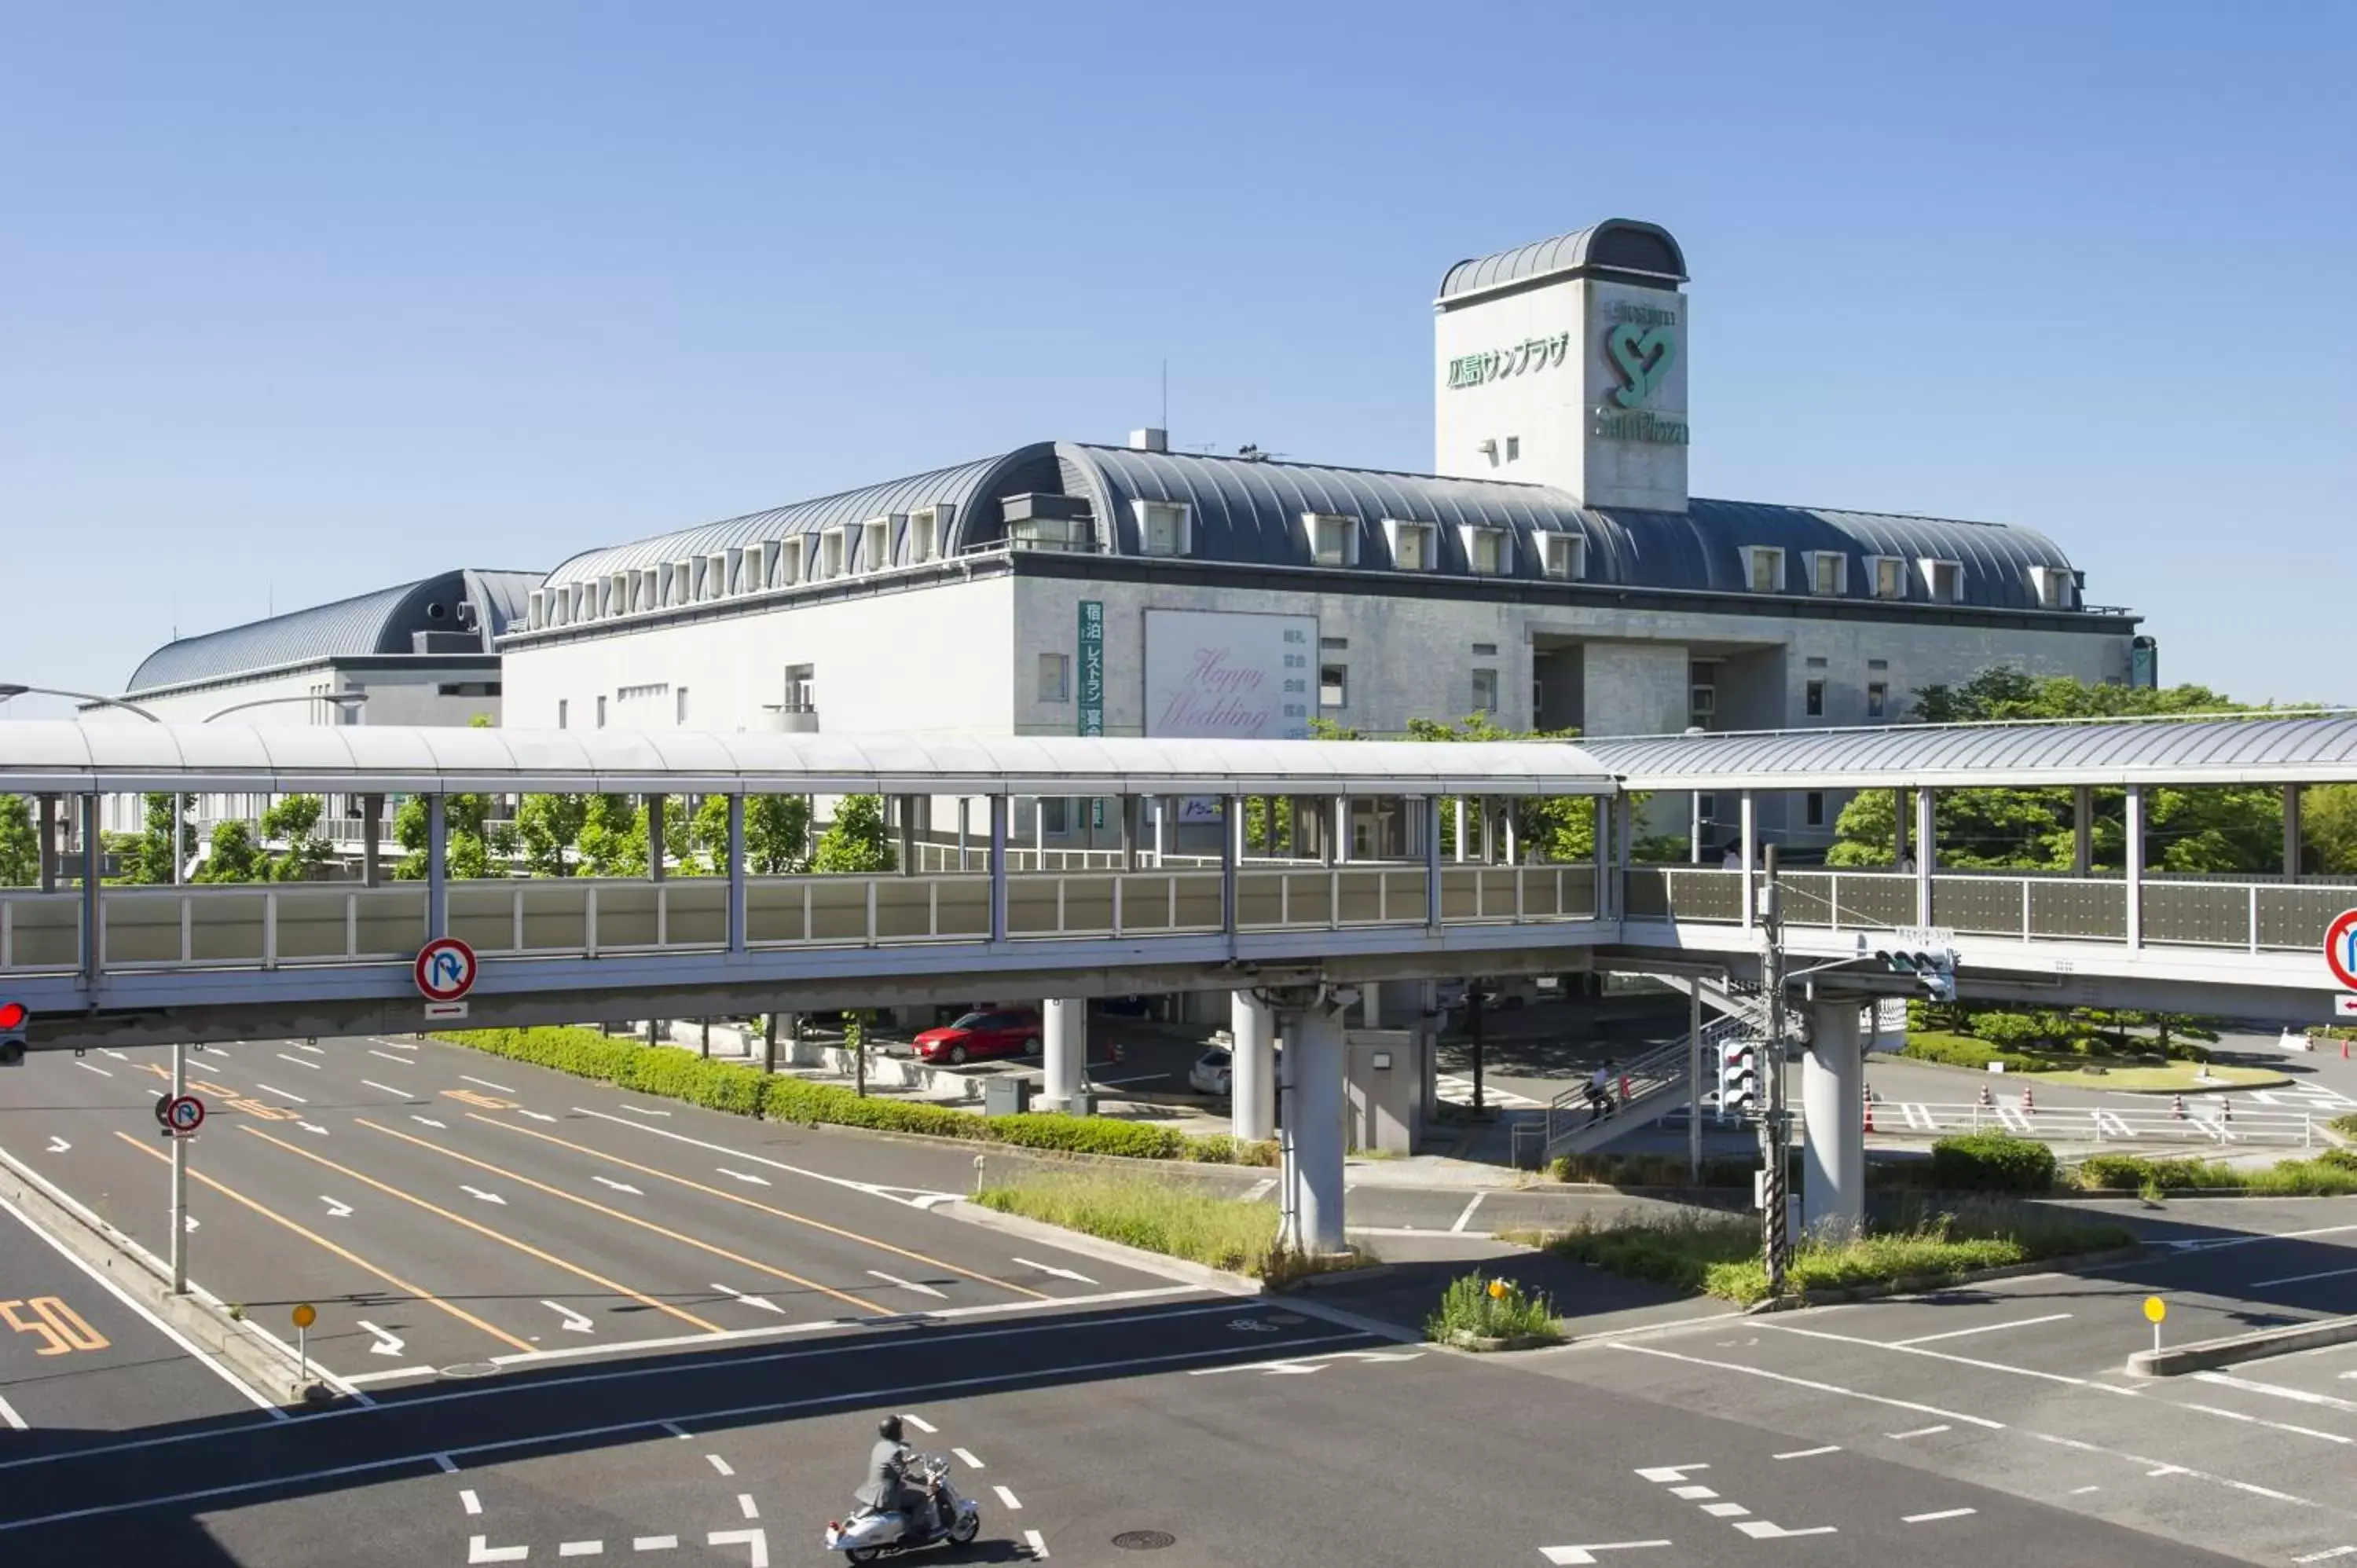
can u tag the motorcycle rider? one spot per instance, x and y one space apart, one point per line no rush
887 1488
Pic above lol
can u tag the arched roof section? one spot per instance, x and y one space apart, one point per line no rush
467 601
1618 247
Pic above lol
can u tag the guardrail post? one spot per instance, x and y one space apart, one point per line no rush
997 868
1232 839
437 878
49 843
736 874
2254 891
1432 858
2134 845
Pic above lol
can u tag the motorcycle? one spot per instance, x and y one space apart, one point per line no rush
871 1532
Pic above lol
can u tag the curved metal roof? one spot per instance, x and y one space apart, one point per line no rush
2221 750
1252 510
1615 245
961 486
377 623
113 757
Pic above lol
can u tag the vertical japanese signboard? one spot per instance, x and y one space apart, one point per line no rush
1091 666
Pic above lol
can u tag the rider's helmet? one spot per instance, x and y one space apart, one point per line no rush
889 1429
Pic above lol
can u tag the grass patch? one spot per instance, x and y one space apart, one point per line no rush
1159 1217
667 1073
2171 1077
1991 1162
2331 1174
2344 1125
1721 1257
1649 1170
1492 1309
1963 1050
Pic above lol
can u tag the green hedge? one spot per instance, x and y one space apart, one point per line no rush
1649 1170
1992 1162
744 1090
1963 1050
2332 1172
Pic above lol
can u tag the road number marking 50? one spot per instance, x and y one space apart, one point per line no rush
54 1321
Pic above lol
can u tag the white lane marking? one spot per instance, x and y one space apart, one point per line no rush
1009 1498
965 1457
1692 1494
1928 1518
1761 1530
915 1199
644 1110
618 1185
471 1502
312 1127
1918 1432
764 1303
487 1083
2327 1556
580 1548
1466 1217
2252 1385
674 1428
907 1285
920 1423
719 1464
1039 1546
756 1541
479 1194
429 1122
397 1061
1810 1453
387 1088
336 1209
388 1374
387 1343
2083 1491
481 1550
298 1061
1947 1356
58 1145
1979 1420
2277 1425
442 1462
8 1416
283 1094
654 1543
1725 1510
192 1223
536 1115
1258 1190
1060 1274
574 1322
745 1505
740 1176
2190 1248
1667 1475
1566 1556
315 1050
118 1055
203 1358
92 1066
2301 1279
1984 1329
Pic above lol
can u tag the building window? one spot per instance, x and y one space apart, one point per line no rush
1703 706
1054 816
1889 577
1828 573
876 545
1877 697
1334 541
1707 808
1055 678
1485 651
830 553
465 689
1764 567
563 710
1164 528
601 712
2051 586
924 540
1566 555
1333 644
799 680
1485 691
1944 581
679 706
1412 549
1513 449
1816 700
1816 807
640 694
1333 686
1486 552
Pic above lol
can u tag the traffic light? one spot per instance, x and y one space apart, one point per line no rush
1739 1076
1935 968
15 1018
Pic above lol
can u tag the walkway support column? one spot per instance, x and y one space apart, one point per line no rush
907 804
1067 1048
1750 821
1313 1142
1431 863
1461 845
2082 830
736 874
1900 834
371 818
49 843
1693 1085
1927 853
1341 830
997 868
1832 1096
1251 1066
1601 829
2136 866
437 860
92 844
2291 832
1232 838
1129 804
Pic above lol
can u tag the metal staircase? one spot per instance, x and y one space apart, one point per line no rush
1655 1084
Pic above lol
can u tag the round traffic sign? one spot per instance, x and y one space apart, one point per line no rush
444 969
185 1115
304 1315
2155 1309
2341 948
164 1112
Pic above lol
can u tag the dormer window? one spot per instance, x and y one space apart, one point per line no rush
1334 541
1489 552
1413 545
1566 556
876 545
1163 528
1828 573
1944 581
924 536
831 551
1763 568
1890 576
2055 589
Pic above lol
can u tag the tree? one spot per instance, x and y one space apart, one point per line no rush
613 839
473 838
548 830
1557 828
149 853
857 839
294 821
2327 826
777 835
20 843
235 856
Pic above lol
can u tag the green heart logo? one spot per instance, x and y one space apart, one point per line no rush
1642 356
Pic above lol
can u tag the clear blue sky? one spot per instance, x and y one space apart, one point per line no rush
297 301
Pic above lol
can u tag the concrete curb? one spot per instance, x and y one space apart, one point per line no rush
1921 1285
258 1359
1180 1269
2204 1354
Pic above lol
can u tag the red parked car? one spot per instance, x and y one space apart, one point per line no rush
1013 1032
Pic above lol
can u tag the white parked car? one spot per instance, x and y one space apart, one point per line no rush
1213 1073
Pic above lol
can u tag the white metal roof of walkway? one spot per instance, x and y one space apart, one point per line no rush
2254 749
111 758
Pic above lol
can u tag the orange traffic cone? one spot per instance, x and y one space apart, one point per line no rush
2026 1102
1986 1097
2344 1049
1870 1108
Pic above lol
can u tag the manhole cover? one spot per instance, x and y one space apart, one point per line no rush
471 1369
1145 1539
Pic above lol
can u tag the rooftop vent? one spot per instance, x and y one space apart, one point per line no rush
1149 440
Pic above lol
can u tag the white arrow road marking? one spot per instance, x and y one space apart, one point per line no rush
573 1321
312 1127
481 1550
335 1209
1664 1475
487 1083
536 1115
644 1110
929 1201
760 1301
387 1344
618 1185
756 1541
1564 1555
429 1121
58 1145
189 1223
92 1066
315 1050
1761 1530
118 1055
1060 1274
740 1176
486 1196
282 1094
298 1061
906 1285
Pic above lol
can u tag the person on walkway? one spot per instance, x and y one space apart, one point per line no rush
1599 1092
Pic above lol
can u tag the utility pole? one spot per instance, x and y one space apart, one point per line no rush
1776 1126
179 1176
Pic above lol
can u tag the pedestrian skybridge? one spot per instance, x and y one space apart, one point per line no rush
1447 890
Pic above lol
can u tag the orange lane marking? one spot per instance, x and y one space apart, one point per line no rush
764 1208
630 1218
395 1280
499 1236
